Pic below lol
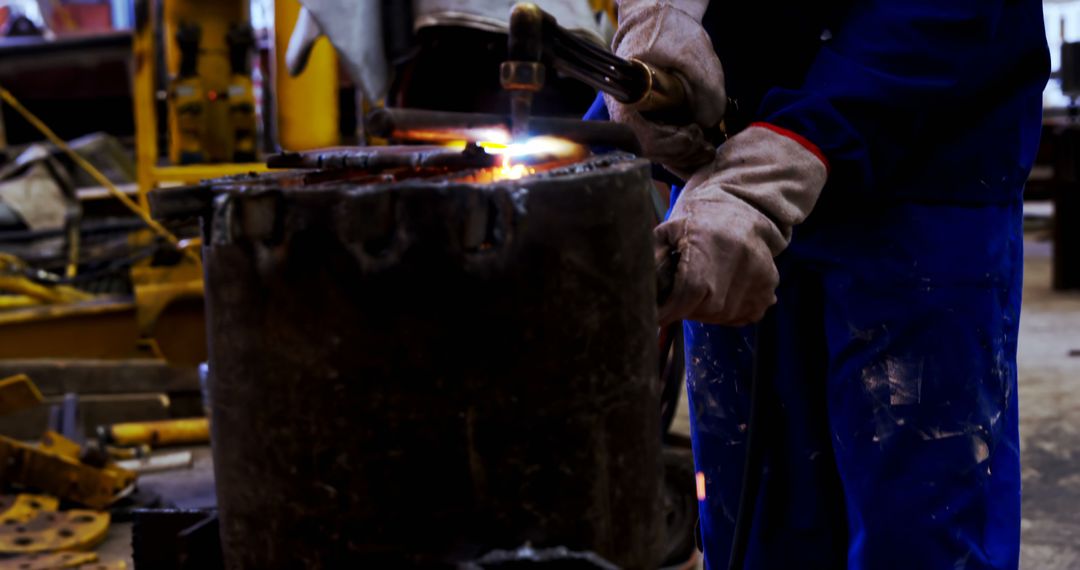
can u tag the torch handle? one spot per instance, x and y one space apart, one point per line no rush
653 91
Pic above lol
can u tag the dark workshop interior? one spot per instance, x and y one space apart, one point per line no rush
569 284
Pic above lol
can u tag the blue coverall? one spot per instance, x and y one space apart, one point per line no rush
891 398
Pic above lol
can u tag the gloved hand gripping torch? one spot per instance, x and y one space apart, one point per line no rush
535 38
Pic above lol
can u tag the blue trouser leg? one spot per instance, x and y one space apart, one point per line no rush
891 414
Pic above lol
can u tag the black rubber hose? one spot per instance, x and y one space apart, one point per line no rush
672 363
758 429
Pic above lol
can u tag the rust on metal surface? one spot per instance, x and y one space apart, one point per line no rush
383 158
487 343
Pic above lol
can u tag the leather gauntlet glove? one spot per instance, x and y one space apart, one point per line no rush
732 218
668 35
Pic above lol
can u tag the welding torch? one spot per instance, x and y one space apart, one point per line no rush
535 37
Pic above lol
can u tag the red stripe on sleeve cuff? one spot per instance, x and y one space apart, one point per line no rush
805 142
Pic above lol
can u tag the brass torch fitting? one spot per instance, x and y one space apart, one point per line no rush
664 90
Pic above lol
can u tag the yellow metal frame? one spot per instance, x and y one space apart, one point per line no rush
149 173
307 105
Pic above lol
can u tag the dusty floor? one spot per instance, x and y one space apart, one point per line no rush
1049 364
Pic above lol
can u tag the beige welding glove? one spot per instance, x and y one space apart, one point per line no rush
732 218
668 35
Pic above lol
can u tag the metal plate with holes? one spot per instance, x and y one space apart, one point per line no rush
54 531
49 561
21 508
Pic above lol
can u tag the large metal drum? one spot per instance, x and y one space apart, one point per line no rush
413 375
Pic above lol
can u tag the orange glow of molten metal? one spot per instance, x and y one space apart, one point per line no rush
520 159
510 171
700 477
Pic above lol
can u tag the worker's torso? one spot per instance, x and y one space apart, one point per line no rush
977 152
494 15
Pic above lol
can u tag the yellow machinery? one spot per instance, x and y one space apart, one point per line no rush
212 125
307 111
199 111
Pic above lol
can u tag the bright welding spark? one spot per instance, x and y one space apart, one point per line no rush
489 146
510 171
515 159
700 477
501 136
545 146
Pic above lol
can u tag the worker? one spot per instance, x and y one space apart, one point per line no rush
870 194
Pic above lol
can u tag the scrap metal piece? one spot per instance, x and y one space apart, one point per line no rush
24 506
55 531
15 277
123 453
18 393
52 561
380 158
156 463
61 475
60 445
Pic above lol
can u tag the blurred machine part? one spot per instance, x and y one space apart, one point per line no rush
313 87
241 94
188 97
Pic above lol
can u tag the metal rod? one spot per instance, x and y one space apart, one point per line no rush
443 126
380 158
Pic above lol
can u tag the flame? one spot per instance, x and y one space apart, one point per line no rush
511 171
497 136
516 158
491 147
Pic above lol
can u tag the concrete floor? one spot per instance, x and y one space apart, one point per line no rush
181 489
1049 372
1049 364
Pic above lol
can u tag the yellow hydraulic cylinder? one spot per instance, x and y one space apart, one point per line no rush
162 433
307 105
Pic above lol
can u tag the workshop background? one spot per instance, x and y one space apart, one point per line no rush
112 113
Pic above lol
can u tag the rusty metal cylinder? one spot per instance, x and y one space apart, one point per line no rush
414 375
